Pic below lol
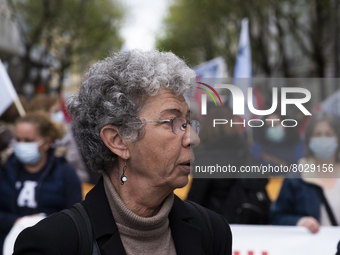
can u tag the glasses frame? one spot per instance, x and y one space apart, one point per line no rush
171 121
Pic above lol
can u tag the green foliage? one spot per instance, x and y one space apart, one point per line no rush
200 30
189 30
76 32
281 32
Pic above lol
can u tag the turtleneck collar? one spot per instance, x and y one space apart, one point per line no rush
124 216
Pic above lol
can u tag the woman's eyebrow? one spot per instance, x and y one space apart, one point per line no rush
175 111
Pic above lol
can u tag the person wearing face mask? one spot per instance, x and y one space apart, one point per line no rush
277 145
65 146
34 180
313 200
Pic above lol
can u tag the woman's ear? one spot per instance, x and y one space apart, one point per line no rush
47 143
114 142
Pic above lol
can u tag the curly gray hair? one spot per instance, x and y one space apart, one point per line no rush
114 91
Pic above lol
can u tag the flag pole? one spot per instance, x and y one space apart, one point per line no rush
19 107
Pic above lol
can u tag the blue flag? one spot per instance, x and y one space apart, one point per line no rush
243 71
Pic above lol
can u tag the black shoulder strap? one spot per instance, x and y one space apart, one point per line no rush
325 202
87 244
202 220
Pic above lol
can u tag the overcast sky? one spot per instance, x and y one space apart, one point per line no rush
144 20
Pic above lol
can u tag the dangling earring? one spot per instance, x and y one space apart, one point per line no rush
123 178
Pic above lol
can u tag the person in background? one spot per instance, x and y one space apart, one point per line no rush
66 146
34 180
7 132
303 201
5 138
240 200
275 144
42 102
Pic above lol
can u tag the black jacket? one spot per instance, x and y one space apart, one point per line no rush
241 198
57 234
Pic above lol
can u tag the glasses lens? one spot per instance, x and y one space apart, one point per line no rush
180 124
195 126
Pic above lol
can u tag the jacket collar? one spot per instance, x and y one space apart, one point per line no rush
187 238
104 227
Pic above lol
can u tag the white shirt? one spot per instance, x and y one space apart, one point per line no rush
333 198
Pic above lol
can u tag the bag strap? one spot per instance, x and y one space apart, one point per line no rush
325 202
201 219
87 244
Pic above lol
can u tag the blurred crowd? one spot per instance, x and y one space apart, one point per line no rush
42 169
306 196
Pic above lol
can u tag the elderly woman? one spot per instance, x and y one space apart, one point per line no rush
133 124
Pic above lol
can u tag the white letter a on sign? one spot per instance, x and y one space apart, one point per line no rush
27 195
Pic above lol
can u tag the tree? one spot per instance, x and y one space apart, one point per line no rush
282 33
73 32
190 30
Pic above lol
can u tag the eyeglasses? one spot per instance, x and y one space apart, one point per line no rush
178 124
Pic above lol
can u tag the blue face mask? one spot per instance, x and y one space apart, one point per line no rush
275 134
28 153
323 147
58 116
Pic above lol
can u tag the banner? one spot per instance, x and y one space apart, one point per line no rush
215 68
283 240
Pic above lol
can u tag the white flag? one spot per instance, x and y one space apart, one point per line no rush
7 92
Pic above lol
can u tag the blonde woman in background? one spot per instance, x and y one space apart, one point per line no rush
34 180
66 146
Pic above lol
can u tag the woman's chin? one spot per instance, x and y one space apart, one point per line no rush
181 182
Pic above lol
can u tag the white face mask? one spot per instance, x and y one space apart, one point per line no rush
323 147
58 116
275 134
28 153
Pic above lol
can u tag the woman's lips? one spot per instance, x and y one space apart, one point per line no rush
186 167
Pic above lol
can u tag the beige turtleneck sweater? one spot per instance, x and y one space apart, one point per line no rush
141 235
